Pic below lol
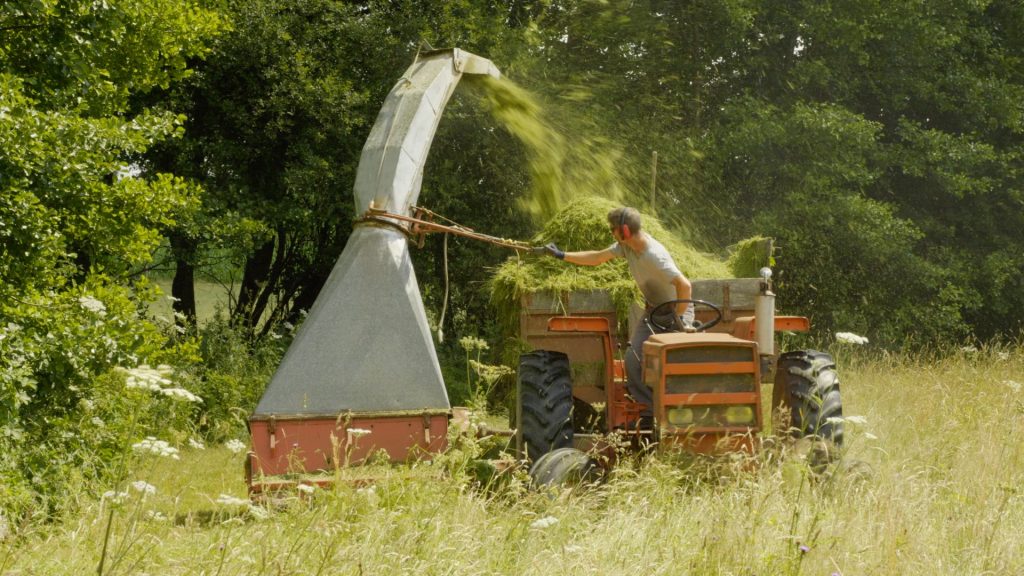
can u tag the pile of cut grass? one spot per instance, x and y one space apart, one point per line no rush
584 226
747 257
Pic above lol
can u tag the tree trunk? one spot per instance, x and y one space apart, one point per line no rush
306 294
257 269
273 278
183 287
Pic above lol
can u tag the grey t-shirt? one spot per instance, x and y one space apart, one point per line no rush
653 270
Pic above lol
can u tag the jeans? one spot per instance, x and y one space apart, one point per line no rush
634 363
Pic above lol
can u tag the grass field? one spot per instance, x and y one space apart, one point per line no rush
211 297
944 440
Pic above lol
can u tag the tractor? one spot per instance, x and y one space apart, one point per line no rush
571 394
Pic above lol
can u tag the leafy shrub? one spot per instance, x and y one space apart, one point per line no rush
235 370
66 415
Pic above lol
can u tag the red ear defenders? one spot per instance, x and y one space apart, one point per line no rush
623 227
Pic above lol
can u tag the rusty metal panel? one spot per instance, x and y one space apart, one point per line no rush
310 445
585 350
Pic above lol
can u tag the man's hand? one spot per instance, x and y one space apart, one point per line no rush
551 250
683 326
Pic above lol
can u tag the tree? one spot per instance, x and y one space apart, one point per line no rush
276 123
74 220
758 110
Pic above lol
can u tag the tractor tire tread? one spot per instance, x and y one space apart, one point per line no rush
807 388
545 387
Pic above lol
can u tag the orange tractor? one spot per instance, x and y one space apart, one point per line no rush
571 391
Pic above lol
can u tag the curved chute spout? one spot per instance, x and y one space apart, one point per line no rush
391 165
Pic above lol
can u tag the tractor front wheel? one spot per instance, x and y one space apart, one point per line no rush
806 401
545 402
565 467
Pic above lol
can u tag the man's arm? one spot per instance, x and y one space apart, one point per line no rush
589 257
684 291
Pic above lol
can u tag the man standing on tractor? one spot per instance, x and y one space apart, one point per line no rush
659 280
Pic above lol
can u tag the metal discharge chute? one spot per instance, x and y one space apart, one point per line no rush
364 359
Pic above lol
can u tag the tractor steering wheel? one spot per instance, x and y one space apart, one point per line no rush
656 311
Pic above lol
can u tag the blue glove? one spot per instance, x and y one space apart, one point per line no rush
551 250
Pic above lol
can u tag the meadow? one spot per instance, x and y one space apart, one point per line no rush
942 437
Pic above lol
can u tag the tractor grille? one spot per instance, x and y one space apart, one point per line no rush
710 388
696 355
709 383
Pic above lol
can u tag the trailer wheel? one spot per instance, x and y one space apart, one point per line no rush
565 466
805 399
545 389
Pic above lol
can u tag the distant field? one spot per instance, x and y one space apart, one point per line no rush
944 438
209 298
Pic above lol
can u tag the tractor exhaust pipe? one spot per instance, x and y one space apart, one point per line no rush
764 315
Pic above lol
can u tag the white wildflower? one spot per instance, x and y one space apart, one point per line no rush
98 422
114 497
859 420
544 522
144 487
156 516
158 447
369 493
306 488
472 343
969 349
870 436
87 404
196 444
1013 384
1004 355
181 394
258 512
146 378
228 500
236 446
93 305
851 338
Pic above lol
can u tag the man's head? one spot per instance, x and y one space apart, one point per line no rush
625 222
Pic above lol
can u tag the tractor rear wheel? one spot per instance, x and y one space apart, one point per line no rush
565 466
545 399
806 400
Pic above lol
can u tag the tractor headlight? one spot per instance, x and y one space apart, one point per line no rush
739 415
680 416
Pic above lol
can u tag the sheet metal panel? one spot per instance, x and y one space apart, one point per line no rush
365 345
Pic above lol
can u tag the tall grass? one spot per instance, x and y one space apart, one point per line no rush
943 436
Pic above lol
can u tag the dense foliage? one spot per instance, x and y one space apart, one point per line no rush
879 145
75 223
